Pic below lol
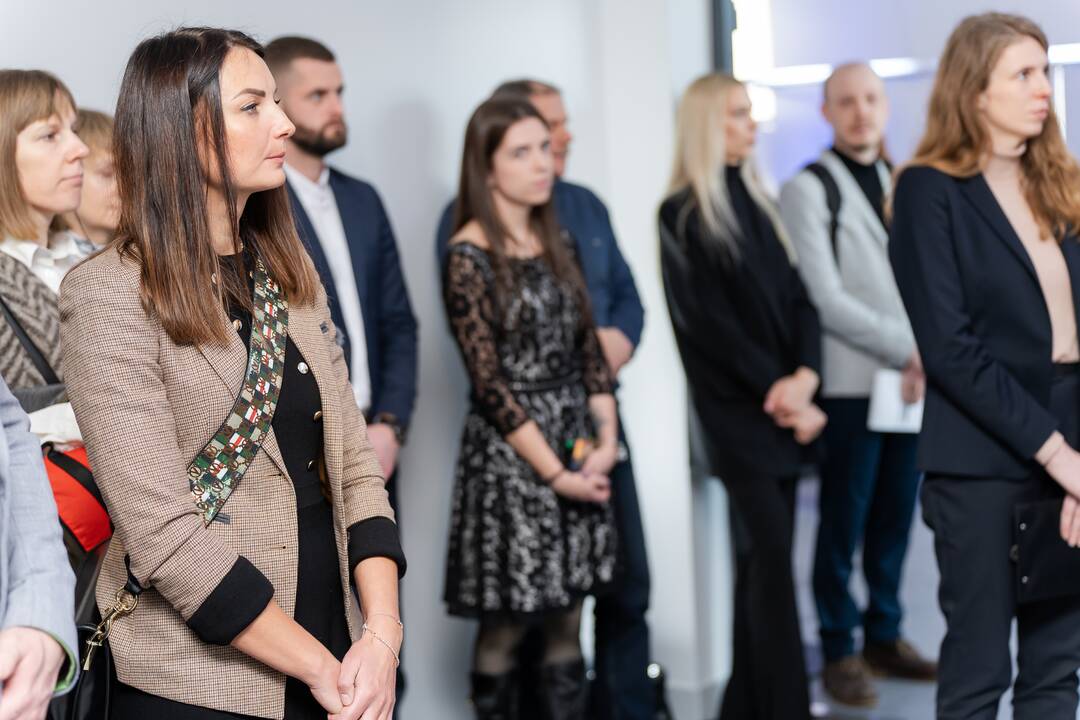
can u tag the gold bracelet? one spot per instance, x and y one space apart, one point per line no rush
365 629
395 618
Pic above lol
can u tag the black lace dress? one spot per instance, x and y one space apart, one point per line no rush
516 548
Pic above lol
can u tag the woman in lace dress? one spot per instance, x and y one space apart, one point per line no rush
530 535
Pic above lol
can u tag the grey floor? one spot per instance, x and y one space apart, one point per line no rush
924 625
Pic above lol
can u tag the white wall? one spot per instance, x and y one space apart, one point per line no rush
414 70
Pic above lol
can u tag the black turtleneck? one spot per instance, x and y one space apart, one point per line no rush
868 179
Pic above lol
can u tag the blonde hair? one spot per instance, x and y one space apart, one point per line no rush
26 96
700 159
956 139
95 129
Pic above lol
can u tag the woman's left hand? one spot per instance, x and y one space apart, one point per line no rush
601 460
368 678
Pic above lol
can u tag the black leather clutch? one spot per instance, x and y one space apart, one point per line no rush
1046 567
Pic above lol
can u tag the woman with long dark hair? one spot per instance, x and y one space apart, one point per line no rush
986 254
531 531
218 417
750 344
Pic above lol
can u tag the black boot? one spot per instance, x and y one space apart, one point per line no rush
565 690
494 697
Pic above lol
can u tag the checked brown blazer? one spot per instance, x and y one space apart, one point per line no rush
146 406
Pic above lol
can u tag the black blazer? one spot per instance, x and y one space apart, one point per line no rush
980 322
740 326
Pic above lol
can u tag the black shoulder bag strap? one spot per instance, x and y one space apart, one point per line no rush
832 201
36 357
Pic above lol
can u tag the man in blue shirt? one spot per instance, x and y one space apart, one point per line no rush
621 690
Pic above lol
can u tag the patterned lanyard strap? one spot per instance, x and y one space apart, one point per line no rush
217 469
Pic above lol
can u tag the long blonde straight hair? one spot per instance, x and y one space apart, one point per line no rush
957 140
700 159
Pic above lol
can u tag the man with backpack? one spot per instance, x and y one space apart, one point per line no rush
834 210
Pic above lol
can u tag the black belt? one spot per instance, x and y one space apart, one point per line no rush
546 384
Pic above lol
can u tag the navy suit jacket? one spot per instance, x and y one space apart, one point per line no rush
981 324
614 297
390 327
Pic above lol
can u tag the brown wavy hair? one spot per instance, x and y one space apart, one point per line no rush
956 140
485 132
168 111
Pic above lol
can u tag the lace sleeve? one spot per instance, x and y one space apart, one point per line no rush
470 309
595 371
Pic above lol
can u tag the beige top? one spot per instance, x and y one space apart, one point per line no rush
1002 174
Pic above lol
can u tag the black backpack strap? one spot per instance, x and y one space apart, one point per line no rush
36 357
832 201
75 469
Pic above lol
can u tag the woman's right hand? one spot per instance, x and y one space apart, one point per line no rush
1064 468
583 488
806 424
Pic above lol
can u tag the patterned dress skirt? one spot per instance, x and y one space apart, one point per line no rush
517 549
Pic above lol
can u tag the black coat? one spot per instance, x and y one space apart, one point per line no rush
981 324
740 326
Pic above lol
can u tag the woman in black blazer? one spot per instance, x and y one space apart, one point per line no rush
751 347
989 268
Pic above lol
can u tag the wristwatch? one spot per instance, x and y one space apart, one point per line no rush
391 421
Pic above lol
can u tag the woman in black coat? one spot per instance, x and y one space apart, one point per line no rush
750 344
988 263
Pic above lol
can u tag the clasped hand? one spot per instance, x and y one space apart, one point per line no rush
1064 468
592 483
789 403
362 685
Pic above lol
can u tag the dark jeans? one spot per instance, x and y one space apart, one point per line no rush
869 484
622 691
768 674
972 520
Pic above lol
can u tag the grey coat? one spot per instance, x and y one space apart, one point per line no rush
864 324
37 587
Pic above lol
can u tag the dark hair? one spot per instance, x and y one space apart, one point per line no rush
525 89
483 136
282 51
168 116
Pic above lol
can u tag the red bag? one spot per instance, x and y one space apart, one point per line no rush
78 500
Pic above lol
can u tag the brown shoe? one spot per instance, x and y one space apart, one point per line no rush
848 681
899 660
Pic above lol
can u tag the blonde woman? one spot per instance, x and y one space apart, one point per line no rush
41 176
986 256
751 347
94 221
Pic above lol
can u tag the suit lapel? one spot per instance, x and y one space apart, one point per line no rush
230 364
357 233
978 194
307 233
1070 248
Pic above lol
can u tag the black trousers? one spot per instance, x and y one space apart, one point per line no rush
768 675
973 533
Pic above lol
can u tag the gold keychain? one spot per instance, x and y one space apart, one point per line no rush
125 605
